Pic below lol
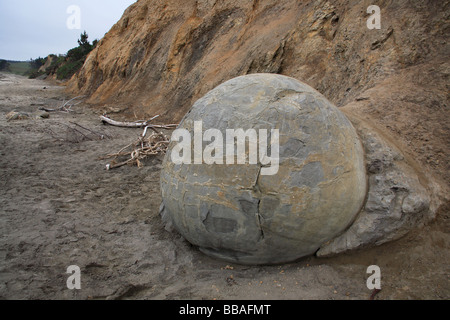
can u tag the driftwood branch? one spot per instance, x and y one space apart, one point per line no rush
48 109
143 147
137 124
101 135
65 107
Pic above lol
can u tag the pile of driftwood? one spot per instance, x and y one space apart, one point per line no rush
146 145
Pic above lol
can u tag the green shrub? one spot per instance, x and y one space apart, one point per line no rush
33 74
35 64
4 65
76 54
67 70
65 66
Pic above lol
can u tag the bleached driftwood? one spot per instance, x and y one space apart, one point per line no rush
137 124
143 147
155 144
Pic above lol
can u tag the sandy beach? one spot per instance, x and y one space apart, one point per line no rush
59 207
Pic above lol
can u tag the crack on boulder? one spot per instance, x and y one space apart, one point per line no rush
255 187
258 215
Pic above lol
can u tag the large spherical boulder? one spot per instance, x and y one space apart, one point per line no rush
264 212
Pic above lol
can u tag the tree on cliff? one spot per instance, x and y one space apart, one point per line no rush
65 66
36 63
83 41
76 57
83 49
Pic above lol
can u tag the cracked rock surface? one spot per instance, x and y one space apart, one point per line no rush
236 213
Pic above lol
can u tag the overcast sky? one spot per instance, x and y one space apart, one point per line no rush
36 28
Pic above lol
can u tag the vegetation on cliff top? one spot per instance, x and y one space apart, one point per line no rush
63 66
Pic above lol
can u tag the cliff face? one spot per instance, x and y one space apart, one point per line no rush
161 56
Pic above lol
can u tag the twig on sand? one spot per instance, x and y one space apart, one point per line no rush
101 135
85 137
65 107
143 147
